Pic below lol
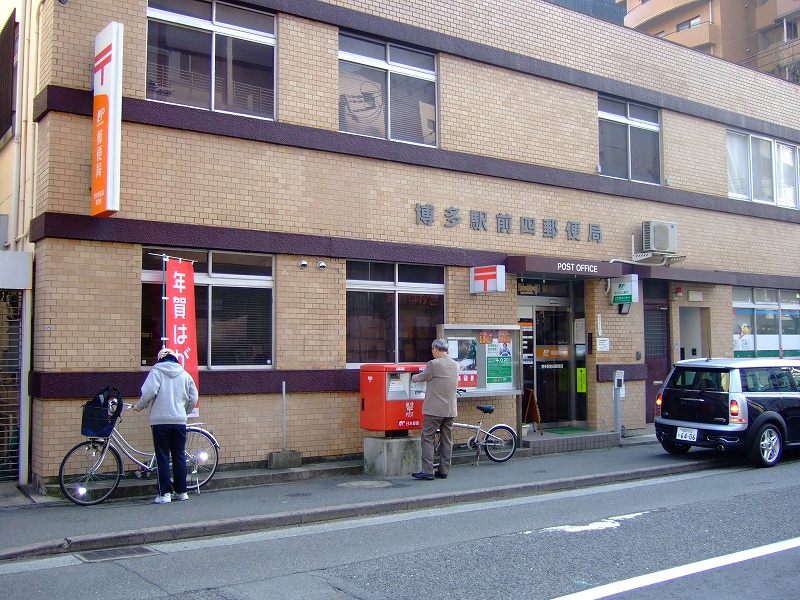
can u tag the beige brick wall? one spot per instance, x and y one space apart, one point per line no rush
186 177
716 319
494 112
626 337
247 427
581 42
70 28
311 313
684 163
308 73
88 309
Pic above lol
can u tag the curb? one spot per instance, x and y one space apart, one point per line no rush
170 533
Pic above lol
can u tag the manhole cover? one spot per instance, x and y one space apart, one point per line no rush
115 553
366 484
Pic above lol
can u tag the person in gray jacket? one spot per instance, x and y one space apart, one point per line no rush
439 409
173 395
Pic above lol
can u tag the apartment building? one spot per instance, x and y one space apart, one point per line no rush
761 35
336 172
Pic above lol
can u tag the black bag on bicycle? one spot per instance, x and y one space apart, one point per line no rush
100 414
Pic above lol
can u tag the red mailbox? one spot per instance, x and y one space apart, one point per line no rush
389 400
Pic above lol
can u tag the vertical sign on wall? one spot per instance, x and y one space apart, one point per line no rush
181 332
107 115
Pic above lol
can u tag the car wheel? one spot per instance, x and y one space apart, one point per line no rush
767 446
675 447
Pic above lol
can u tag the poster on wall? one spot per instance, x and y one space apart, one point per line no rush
464 350
499 361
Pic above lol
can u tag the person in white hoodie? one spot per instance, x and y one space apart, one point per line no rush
173 395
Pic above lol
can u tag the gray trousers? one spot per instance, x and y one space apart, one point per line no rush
428 436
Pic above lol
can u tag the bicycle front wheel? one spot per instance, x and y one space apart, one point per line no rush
500 443
90 472
202 457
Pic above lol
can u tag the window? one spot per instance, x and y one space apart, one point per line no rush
233 306
211 55
387 91
762 169
629 141
766 322
8 77
694 22
392 311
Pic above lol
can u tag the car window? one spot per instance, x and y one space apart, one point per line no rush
784 380
758 380
704 380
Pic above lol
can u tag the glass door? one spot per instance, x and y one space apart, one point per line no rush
547 362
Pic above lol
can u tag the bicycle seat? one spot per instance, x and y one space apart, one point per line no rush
486 409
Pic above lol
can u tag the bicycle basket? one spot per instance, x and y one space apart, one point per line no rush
100 414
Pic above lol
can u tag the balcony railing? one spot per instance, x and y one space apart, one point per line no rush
705 34
772 10
655 10
781 60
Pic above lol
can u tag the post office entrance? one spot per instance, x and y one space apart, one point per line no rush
551 360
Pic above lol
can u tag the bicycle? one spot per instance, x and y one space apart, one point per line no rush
92 469
499 442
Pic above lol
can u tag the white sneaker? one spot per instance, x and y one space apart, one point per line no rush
165 499
183 496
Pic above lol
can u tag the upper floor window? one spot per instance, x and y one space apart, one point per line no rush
629 140
688 24
233 306
387 91
762 169
9 42
392 311
211 55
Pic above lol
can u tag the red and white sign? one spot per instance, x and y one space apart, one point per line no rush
107 114
487 279
181 325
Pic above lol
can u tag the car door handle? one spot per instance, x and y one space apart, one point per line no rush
658 382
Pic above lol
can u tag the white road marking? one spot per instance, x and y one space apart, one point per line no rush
618 587
609 523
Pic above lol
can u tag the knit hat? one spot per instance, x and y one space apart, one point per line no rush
165 352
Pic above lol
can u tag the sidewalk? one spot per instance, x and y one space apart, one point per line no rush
35 525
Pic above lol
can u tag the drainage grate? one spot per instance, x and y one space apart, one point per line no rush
115 553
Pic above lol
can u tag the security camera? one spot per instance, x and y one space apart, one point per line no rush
321 265
303 264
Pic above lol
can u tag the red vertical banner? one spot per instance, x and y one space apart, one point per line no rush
181 325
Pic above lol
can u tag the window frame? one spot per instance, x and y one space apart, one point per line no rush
389 68
397 288
214 28
209 279
776 169
782 304
630 122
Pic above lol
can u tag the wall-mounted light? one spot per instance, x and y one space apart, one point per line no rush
624 308
302 264
321 265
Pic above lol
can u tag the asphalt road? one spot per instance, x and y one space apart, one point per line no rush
589 542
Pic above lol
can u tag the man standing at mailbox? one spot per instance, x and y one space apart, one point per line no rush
439 410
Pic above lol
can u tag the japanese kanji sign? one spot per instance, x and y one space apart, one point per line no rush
181 332
107 119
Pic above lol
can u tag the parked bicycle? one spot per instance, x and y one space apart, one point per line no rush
92 470
499 442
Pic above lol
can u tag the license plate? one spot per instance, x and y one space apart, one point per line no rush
686 434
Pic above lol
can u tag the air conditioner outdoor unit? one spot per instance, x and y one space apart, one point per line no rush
659 236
